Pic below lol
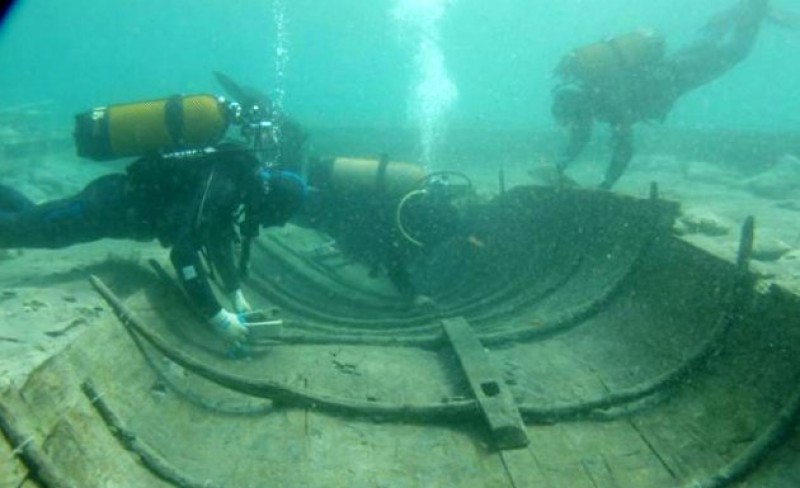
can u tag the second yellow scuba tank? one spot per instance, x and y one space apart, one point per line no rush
612 58
132 129
365 176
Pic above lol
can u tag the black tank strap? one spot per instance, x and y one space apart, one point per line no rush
380 174
173 119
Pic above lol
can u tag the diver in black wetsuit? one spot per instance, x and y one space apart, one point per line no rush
627 80
364 221
204 201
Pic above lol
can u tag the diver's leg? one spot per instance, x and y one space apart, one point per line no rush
712 56
621 155
96 212
13 201
785 18
50 225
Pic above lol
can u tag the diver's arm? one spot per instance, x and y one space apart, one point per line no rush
398 275
186 258
397 271
579 134
219 234
622 141
201 219
192 275
220 252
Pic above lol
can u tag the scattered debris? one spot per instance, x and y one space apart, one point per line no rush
69 326
33 305
701 222
780 182
770 249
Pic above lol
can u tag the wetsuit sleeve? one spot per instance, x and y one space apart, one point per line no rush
398 274
395 257
185 256
219 217
220 252
579 134
622 152
191 237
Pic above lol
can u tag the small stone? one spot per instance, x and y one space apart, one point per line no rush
680 228
770 249
702 222
780 182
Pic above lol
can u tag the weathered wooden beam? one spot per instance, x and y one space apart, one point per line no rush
494 398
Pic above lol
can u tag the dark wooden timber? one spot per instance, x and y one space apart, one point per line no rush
494 398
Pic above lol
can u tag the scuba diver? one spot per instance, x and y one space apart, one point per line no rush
629 79
193 193
384 214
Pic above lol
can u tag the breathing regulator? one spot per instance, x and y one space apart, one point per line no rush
424 201
436 191
254 122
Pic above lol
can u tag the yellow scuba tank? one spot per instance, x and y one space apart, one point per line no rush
363 176
612 58
132 129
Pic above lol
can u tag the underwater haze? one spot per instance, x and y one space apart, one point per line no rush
356 62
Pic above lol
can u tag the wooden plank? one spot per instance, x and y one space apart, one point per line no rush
494 398
523 469
554 463
614 455
587 455
682 448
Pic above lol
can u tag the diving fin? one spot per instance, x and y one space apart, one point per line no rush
783 18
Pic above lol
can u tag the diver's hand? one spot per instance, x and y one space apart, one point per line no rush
229 326
240 303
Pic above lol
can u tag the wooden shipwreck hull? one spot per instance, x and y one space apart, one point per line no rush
579 345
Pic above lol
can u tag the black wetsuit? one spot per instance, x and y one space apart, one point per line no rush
363 222
648 94
189 204
364 228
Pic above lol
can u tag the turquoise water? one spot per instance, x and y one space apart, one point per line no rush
427 66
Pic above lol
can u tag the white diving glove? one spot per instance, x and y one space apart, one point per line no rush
229 326
240 303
